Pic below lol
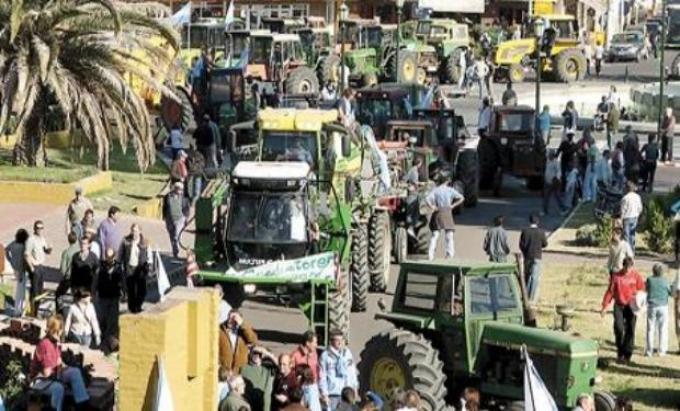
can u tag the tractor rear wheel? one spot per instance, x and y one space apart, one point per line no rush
359 269
302 80
570 66
404 70
182 111
330 70
467 171
453 71
399 359
400 246
379 248
604 401
338 306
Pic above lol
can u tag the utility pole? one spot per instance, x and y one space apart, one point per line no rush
662 68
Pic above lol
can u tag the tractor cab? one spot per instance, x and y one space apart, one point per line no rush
202 33
279 25
462 323
269 215
228 99
378 104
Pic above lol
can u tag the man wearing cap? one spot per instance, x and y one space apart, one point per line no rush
205 141
175 212
76 210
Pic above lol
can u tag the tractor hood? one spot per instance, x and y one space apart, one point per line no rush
512 51
538 340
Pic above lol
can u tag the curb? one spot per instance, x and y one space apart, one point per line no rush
52 193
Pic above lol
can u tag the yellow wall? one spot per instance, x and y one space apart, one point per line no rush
53 193
183 330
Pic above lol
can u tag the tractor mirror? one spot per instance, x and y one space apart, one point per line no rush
346 145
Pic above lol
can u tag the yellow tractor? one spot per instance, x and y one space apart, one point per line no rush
563 62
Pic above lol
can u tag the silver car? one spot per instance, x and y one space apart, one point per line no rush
629 45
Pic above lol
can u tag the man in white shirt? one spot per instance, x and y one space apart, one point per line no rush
552 183
631 208
35 252
481 71
599 55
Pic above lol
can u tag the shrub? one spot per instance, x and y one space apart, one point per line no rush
12 383
659 226
595 235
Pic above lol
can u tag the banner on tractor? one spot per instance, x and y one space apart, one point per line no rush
320 267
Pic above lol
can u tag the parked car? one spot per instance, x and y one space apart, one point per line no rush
629 45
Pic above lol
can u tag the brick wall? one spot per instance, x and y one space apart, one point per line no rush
183 330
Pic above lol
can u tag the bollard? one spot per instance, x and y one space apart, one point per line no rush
625 75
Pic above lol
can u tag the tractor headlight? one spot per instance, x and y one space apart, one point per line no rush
249 288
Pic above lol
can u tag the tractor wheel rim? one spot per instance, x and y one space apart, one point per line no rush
386 376
409 70
571 67
305 87
515 74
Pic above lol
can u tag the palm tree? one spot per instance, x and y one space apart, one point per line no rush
74 56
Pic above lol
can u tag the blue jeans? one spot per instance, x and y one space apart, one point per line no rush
532 273
55 388
82 339
629 227
195 187
657 328
590 185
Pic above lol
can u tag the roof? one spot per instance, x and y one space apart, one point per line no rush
295 119
293 170
467 266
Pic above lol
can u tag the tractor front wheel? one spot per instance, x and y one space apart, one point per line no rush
359 269
302 80
516 73
405 70
421 243
379 247
400 360
338 306
330 70
453 71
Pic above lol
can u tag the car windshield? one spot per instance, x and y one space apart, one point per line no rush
627 38
515 122
372 37
289 146
673 26
268 218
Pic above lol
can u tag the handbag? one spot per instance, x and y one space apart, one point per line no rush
639 303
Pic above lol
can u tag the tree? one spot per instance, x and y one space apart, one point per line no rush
76 57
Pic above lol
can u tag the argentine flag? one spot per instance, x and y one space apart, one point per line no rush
536 395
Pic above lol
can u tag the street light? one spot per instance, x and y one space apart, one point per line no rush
400 5
539 29
344 15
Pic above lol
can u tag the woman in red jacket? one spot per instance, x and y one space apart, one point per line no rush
623 287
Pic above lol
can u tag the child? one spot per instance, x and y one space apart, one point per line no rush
570 187
496 242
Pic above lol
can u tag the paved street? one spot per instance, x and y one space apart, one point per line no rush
283 325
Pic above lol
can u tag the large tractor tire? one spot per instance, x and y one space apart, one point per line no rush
302 80
182 111
405 70
515 73
330 70
379 250
339 307
421 243
400 245
467 172
570 66
488 163
359 270
452 70
399 359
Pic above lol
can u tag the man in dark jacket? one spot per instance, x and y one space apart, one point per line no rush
108 297
84 267
175 211
532 241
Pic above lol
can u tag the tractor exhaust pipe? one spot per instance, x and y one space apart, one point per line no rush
529 311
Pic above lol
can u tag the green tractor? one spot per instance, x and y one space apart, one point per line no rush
450 39
460 324
268 233
336 155
427 58
376 105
